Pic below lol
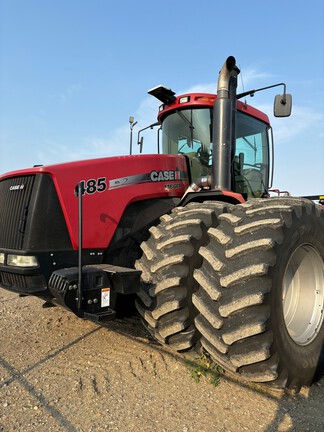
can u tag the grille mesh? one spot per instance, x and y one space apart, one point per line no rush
22 283
15 194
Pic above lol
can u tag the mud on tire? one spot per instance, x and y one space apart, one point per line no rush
169 259
261 295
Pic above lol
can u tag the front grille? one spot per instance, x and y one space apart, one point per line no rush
22 283
15 194
31 217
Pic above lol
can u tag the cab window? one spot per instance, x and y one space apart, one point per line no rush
251 160
188 132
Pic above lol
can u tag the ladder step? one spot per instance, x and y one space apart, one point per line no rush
100 316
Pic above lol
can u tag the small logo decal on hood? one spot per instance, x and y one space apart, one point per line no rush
17 187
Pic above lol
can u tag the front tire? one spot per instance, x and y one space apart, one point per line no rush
169 259
261 295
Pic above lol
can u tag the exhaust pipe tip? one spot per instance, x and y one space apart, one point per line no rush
230 63
224 77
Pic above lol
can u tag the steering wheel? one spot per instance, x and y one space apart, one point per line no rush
204 155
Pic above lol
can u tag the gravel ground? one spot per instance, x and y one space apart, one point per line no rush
60 373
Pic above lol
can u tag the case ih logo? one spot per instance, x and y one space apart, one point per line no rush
17 187
153 176
157 176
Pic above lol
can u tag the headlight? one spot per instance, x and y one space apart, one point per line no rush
22 261
184 99
2 258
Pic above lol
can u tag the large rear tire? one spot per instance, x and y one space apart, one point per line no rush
169 259
261 295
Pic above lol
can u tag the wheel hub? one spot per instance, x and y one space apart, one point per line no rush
303 294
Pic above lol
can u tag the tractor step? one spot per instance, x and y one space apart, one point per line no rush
100 316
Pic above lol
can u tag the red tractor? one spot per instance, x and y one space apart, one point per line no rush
190 235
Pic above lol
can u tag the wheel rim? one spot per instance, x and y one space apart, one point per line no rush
303 294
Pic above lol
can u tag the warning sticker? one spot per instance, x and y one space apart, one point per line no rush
105 297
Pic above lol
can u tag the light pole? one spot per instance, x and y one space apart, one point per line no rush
131 125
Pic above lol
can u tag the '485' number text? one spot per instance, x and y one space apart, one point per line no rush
92 186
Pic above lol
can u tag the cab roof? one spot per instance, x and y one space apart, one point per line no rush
202 100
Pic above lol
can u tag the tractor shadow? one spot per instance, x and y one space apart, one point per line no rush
294 412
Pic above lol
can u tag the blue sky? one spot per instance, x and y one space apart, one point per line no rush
73 71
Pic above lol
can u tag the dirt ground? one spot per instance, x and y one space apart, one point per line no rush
60 373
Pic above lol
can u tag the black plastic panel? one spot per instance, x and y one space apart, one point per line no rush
27 284
15 195
46 228
31 216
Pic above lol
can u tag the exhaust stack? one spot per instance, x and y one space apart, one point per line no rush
224 125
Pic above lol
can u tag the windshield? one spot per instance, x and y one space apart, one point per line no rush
251 160
189 132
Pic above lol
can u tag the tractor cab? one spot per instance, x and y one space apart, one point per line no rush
187 130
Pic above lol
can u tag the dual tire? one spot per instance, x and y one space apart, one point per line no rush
248 284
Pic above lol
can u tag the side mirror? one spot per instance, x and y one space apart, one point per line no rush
140 143
282 105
